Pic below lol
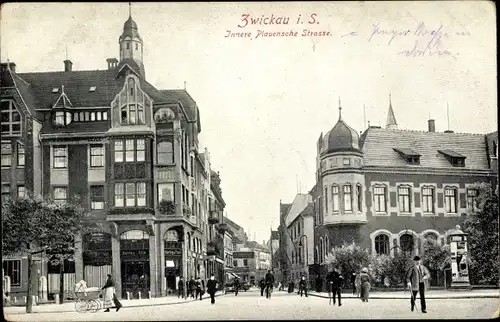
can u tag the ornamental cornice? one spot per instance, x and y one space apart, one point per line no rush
429 171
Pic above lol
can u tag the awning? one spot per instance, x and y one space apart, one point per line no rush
232 275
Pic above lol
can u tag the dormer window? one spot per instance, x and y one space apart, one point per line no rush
55 90
62 118
92 89
409 155
455 159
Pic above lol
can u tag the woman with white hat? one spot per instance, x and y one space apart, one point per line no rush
365 284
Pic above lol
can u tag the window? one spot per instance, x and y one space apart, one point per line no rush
92 116
97 156
59 119
130 194
335 198
5 193
21 192
326 200
12 268
92 89
119 151
6 155
347 198
346 161
382 245
141 150
379 194
99 116
141 194
404 199
450 200
472 199
104 116
428 199
406 243
128 45
96 197
166 192
129 150
136 46
60 157
87 116
75 117
82 117
10 119
60 195
359 196
119 195
245 262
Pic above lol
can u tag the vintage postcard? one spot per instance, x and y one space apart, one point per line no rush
249 160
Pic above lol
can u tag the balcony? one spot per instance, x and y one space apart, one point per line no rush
345 219
213 218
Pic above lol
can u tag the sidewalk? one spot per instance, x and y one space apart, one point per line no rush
432 294
70 305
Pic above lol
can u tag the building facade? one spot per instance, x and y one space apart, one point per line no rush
389 189
128 152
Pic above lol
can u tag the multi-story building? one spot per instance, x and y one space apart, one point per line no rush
244 263
129 152
389 189
298 246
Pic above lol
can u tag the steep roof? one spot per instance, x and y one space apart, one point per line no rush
391 118
256 246
187 101
378 147
77 84
300 203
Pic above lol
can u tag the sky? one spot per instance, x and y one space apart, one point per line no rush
264 101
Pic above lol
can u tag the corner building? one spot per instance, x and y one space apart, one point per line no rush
129 153
389 189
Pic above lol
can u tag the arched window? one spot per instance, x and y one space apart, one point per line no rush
327 246
382 245
347 197
406 242
164 115
172 235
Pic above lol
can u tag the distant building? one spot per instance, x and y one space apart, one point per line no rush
251 261
388 189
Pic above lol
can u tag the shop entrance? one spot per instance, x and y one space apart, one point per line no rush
135 270
173 259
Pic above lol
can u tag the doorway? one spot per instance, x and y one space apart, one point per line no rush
135 279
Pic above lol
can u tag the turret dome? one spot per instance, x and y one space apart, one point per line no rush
341 138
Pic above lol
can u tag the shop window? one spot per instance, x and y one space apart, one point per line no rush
12 268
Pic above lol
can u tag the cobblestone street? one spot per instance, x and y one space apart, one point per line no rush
282 306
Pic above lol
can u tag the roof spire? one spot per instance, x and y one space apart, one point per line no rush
130 9
391 118
340 110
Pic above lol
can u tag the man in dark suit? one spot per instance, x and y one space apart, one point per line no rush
334 282
269 283
212 288
236 286
303 286
415 280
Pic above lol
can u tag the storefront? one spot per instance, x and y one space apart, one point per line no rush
173 259
97 258
135 266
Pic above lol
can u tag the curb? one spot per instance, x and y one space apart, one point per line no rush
375 297
123 307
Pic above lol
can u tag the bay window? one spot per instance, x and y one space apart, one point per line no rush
335 198
347 197
130 194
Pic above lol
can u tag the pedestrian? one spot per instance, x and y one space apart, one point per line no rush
262 285
269 283
415 279
236 286
365 280
212 288
303 286
334 284
192 287
180 288
353 283
198 288
109 295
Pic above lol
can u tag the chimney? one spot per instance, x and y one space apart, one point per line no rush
10 65
432 125
68 65
112 63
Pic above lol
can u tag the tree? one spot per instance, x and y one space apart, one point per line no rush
398 268
482 226
349 258
435 256
380 267
32 225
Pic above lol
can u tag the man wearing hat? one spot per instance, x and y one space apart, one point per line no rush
415 279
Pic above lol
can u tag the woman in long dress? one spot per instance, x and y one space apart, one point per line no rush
109 290
365 284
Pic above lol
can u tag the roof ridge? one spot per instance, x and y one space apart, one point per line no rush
63 72
430 133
